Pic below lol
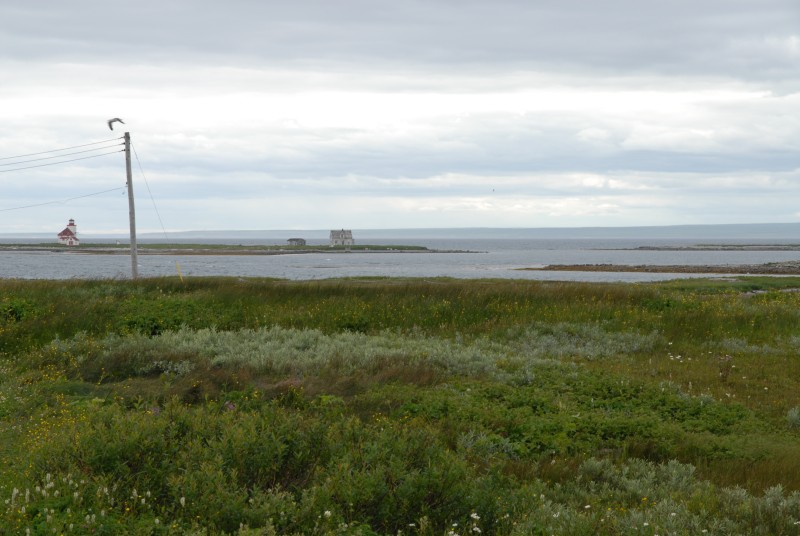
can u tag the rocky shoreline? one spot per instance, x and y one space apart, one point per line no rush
723 247
776 268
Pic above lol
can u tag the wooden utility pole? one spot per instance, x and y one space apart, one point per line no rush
131 208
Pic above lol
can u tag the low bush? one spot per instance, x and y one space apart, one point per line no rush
793 418
216 406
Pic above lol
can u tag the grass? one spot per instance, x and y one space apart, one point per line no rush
388 406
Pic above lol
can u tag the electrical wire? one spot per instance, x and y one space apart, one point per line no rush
60 155
149 192
62 200
56 163
139 162
57 150
177 266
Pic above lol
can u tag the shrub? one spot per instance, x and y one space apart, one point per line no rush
216 406
793 418
584 340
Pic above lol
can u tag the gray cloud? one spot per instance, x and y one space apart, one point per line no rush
740 38
473 112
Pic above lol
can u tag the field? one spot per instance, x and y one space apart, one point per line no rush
390 406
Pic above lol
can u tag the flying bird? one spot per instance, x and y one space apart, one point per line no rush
112 121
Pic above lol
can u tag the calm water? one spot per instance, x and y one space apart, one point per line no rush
487 258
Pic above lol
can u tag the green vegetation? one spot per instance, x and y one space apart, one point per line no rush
389 406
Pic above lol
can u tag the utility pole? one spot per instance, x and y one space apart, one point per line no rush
131 208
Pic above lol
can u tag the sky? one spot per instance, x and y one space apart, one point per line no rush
323 114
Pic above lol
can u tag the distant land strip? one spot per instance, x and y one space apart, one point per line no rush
721 247
216 249
773 268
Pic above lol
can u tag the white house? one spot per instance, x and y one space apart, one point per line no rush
69 236
342 238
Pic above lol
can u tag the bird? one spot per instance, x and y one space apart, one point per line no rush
112 121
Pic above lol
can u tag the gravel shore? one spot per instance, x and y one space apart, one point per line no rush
777 268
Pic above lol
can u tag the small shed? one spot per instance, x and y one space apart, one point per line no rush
296 242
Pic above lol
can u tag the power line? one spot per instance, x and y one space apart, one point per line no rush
62 200
56 163
148 191
57 150
177 266
59 156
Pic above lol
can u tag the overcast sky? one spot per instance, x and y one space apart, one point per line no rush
317 114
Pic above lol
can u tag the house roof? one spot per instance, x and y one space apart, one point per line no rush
66 233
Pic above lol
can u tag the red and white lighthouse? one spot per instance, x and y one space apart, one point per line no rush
69 236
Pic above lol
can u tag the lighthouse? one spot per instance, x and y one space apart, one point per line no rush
69 236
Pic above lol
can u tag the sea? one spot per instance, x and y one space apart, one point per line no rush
484 253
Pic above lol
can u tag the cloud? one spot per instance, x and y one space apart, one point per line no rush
263 114
617 35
